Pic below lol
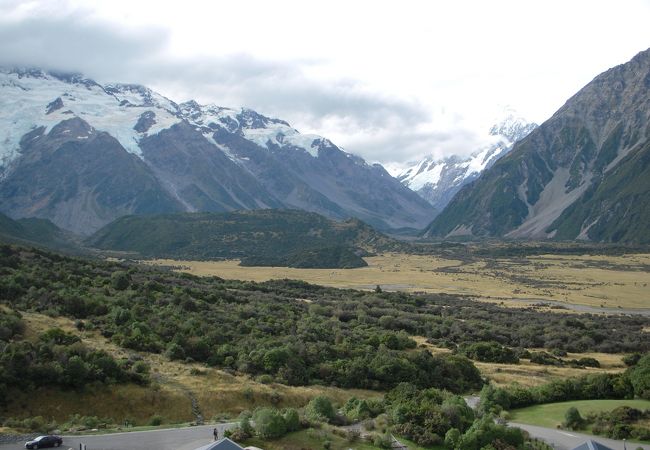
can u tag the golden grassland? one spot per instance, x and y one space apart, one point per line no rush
529 374
174 384
597 281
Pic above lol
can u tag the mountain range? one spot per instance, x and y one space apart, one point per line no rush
582 174
83 154
438 180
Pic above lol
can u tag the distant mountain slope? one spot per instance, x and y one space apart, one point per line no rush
438 180
263 237
39 232
82 154
582 174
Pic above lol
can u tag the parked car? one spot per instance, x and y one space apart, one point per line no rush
44 442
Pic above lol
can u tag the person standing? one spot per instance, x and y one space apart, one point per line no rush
215 433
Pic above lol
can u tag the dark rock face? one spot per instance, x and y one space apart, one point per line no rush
582 174
334 183
54 105
146 120
202 176
81 179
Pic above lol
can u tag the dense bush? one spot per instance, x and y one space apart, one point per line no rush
488 352
291 331
572 419
320 409
621 423
269 423
425 416
59 359
485 433
639 376
589 387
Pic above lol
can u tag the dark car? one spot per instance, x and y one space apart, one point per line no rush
44 442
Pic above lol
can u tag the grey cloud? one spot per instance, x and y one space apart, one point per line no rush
74 41
404 145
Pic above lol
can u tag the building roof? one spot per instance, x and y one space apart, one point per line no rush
222 444
592 445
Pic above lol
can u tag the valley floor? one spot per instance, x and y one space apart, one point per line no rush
596 283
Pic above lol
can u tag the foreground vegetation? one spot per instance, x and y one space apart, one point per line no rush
430 418
279 333
290 331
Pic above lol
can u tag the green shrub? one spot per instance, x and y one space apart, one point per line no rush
320 409
452 438
120 280
572 419
156 420
291 419
489 352
269 423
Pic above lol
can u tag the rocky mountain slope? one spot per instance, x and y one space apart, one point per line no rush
438 180
82 154
584 173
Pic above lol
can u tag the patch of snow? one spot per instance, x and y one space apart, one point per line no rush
430 176
273 133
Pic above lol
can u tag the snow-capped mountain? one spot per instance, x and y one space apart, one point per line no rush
82 154
438 180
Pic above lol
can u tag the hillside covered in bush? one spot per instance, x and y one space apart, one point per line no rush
293 331
263 237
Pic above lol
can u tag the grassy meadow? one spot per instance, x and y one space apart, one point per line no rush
592 280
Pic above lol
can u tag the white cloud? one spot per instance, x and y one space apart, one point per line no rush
390 81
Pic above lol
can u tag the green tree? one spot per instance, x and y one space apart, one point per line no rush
269 423
320 409
120 280
640 377
291 419
572 419
452 438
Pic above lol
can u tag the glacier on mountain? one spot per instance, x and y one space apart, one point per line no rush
117 108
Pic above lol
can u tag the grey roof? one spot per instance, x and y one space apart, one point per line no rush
222 444
592 445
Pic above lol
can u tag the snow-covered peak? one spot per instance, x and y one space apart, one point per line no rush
138 95
436 179
264 131
513 127
32 98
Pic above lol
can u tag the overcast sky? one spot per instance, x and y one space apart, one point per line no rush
388 80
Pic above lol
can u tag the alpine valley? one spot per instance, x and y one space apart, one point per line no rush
82 154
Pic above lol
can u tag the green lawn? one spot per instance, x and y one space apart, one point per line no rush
552 414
